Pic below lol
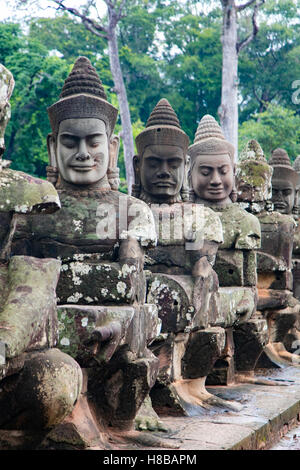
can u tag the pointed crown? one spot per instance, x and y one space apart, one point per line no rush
296 165
210 140
162 128
282 166
280 157
83 96
253 169
252 151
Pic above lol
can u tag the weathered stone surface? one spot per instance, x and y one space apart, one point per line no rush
249 340
284 182
119 390
42 394
269 299
277 280
172 296
277 241
236 305
92 334
22 193
236 267
204 347
88 225
28 317
280 322
223 372
253 176
229 267
241 230
98 283
296 278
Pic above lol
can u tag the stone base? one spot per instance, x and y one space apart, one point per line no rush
249 340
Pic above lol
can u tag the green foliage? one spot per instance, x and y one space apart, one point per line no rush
275 127
270 63
193 67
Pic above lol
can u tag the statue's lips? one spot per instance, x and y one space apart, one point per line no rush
83 167
280 205
215 191
163 184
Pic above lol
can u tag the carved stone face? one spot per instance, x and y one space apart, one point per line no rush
253 182
283 196
162 171
212 178
82 150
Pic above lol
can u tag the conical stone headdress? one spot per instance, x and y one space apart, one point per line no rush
296 165
209 139
83 96
162 128
254 170
282 167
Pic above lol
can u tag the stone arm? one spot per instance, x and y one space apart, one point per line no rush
203 259
131 253
28 318
110 332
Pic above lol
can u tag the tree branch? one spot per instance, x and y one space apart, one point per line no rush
246 5
241 45
90 24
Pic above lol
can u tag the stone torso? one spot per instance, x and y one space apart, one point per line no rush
86 224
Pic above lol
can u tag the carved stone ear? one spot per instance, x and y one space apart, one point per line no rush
136 187
185 190
52 170
51 150
114 145
113 172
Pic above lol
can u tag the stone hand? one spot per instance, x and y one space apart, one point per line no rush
104 341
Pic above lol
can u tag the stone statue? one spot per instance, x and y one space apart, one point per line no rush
213 184
100 236
39 385
181 279
275 299
284 182
296 209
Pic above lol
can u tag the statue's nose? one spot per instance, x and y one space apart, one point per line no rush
82 153
216 180
81 157
164 171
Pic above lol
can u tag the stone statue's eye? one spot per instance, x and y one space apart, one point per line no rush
94 143
152 162
287 192
175 163
224 171
204 171
69 143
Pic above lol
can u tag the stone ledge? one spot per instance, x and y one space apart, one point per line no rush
268 413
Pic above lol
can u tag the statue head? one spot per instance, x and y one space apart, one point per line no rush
81 147
6 89
212 168
253 175
284 182
161 166
296 166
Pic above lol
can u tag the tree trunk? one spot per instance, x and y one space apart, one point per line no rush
228 111
120 89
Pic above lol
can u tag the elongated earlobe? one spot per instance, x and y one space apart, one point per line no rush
113 172
136 187
52 171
